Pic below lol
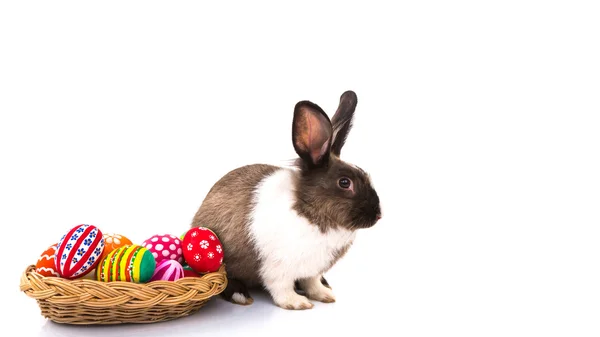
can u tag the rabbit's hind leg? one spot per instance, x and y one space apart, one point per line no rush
236 292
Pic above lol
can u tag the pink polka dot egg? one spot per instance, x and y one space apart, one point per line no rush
164 247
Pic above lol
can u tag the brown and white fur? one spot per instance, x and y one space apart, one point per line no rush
283 228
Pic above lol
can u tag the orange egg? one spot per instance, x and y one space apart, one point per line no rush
112 242
45 263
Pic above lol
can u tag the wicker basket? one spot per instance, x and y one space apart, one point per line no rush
87 301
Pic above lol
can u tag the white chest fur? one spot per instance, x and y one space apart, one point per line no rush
288 244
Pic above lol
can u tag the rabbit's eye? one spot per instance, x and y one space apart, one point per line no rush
344 182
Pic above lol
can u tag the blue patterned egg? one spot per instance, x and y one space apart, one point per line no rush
78 251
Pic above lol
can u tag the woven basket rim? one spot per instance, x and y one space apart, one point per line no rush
30 271
89 301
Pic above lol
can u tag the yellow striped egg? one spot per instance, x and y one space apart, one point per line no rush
131 263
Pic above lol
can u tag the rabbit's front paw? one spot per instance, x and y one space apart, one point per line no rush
315 290
293 301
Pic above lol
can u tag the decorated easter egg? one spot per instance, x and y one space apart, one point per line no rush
45 263
202 250
114 241
132 263
78 251
164 247
167 270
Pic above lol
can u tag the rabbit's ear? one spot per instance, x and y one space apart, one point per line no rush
342 121
311 134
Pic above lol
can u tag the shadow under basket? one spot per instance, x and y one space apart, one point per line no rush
85 301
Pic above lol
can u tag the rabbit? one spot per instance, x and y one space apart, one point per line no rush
283 227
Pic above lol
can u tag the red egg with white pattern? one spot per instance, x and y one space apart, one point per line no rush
202 250
188 271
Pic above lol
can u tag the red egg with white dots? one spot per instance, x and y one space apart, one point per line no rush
164 247
202 250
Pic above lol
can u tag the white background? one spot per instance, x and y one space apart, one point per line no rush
478 121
